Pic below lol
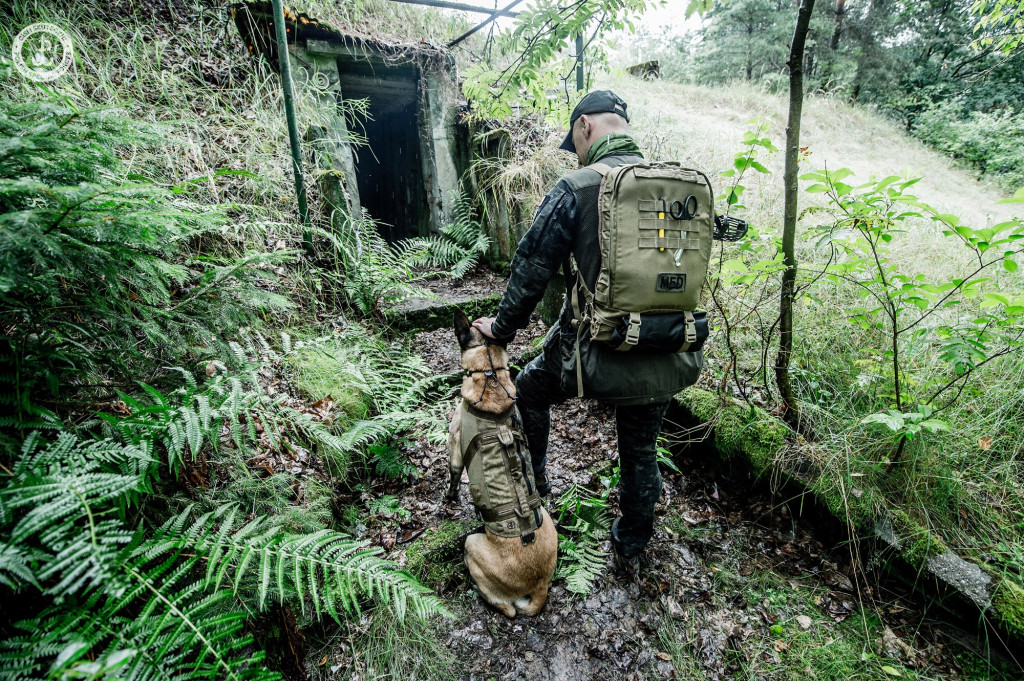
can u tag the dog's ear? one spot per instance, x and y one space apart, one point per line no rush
463 328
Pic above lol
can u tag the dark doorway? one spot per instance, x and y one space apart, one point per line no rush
389 169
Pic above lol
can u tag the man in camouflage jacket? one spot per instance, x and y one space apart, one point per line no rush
639 385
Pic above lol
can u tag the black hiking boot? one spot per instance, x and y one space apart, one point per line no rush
627 567
542 484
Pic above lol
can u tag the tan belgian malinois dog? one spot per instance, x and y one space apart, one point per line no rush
511 572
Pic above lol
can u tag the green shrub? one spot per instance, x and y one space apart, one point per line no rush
102 276
993 143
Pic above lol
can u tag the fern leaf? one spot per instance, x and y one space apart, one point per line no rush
15 566
326 567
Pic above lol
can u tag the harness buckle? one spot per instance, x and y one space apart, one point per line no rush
505 436
691 327
633 331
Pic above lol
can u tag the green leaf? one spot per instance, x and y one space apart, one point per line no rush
1010 265
990 300
1018 197
698 6
935 425
886 181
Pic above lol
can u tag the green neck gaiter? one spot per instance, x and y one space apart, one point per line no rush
612 143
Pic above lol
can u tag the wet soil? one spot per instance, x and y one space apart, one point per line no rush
732 576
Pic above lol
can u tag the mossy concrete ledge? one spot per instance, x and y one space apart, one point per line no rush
436 557
427 314
738 432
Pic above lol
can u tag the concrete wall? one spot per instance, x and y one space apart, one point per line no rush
318 85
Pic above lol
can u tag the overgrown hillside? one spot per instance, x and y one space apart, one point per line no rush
948 73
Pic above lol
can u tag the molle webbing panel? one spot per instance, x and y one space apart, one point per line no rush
500 473
648 237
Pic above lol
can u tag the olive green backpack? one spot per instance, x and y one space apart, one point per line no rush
655 231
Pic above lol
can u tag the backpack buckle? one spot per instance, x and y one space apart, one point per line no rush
633 330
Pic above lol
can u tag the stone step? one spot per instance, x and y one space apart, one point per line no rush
426 314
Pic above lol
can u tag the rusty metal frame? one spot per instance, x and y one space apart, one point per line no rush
459 6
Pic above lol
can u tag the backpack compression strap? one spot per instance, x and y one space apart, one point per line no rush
581 286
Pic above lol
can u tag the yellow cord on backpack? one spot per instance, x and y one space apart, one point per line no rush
661 232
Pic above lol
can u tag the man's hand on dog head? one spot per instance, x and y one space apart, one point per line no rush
483 325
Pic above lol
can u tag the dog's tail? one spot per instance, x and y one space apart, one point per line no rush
531 603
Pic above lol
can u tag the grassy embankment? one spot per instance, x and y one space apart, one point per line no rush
963 484
218 137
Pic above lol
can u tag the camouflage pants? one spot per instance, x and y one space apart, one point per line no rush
637 427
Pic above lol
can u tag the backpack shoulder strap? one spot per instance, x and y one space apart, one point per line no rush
601 168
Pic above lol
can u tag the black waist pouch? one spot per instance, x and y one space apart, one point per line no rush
665 332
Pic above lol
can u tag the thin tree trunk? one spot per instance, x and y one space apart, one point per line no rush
837 28
868 45
749 64
796 99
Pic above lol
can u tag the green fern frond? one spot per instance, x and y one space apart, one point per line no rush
118 603
160 626
326 568
580 563
586 518
390 462
459 246
16 566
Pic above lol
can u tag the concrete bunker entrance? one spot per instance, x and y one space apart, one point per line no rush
399 159
389 166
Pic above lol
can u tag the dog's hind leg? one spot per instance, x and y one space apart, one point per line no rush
480 561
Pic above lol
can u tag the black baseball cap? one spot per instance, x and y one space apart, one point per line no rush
598 101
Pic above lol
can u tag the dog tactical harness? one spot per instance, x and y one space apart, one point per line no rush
501 483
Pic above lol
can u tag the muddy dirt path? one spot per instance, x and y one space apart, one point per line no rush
737 585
